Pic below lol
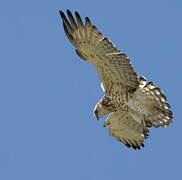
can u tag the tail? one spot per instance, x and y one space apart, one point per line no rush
156 109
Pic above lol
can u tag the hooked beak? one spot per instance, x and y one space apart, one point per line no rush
96 114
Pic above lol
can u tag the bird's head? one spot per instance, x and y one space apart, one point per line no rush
100 110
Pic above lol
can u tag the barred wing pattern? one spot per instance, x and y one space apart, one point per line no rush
113 66
124 127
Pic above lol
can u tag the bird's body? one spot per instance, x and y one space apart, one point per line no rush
133 104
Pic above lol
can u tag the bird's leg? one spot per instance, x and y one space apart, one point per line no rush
106 123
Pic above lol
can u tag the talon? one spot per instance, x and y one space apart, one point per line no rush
105 124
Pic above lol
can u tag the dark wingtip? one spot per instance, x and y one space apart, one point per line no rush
76 13
88 22
61 13
127 145
68 11
142 145
138 147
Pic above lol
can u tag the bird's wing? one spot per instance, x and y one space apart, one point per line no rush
127 127
113 66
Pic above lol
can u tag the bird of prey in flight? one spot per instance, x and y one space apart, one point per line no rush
133 104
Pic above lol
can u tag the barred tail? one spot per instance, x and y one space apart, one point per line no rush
157 110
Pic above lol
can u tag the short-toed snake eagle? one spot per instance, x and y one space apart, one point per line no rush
133 105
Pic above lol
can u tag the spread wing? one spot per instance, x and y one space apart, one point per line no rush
127 127
113 66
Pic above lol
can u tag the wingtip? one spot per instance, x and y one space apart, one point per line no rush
68 11
79 19
61 13
76 13
88 22
135 147
143 145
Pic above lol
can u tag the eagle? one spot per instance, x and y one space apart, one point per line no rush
133 104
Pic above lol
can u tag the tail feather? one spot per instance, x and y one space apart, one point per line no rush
157 111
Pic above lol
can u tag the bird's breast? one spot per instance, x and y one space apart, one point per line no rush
120 100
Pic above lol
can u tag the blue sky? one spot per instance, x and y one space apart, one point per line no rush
47 93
